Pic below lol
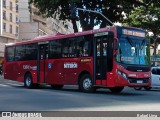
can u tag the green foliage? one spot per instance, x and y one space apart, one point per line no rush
146 17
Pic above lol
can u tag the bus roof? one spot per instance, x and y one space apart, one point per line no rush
60 36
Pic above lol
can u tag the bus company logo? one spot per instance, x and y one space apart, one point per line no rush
27 67
70 65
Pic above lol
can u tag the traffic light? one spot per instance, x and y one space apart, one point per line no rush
73 11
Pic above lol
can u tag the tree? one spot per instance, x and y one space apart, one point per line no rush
113 9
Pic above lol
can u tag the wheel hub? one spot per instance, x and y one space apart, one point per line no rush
28 81
87 83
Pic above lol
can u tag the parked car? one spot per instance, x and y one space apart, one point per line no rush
155 79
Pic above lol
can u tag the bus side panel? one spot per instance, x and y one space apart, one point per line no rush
73 67
11 70
70 68
27 67
86 64
66 71
54 71
112 77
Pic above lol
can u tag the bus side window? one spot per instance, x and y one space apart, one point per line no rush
55 49
72 47
10 54
65 48
20 53
80 45
83 47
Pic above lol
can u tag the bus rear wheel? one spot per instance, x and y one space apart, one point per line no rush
116 89
28 81
86 84
57 86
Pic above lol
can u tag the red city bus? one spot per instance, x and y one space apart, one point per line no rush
111 57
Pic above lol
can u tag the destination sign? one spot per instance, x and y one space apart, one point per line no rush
133 33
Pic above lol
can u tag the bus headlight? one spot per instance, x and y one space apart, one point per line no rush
122 74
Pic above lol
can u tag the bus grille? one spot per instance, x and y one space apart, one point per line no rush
140 80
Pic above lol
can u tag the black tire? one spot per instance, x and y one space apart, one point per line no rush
147 88
86 84
116 89
138 88
28 83
57 86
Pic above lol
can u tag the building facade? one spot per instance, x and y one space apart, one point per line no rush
9 28
18 23
31 25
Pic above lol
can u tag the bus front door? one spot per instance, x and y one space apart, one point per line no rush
100 60
43 55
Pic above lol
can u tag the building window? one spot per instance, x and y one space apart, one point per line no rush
10 5
17 30
4 3
10 29
17 20
4 15
10 16
17 8
4 27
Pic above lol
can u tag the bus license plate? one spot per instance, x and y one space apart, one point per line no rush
139 81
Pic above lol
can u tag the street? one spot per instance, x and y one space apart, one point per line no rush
14 97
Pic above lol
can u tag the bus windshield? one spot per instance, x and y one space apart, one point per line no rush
133 50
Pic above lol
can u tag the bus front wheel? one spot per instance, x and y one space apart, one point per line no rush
147 88
86 84
137 88
116 89
28 81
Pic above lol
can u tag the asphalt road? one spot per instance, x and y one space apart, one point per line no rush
14 97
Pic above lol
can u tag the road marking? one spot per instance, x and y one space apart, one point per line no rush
12 84
3 85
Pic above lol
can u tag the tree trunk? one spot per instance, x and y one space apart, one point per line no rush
74 25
